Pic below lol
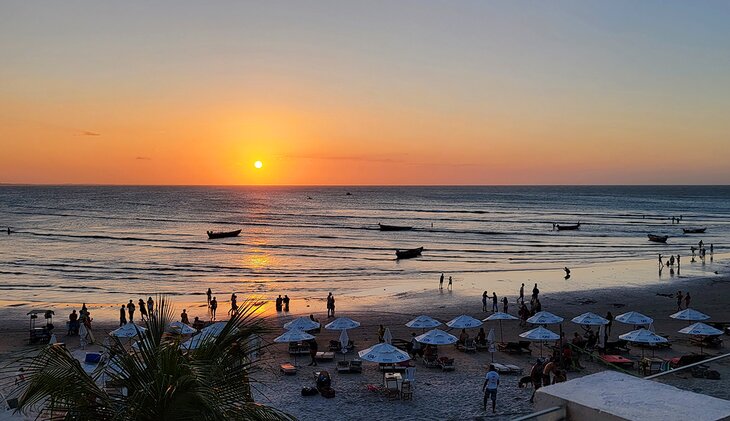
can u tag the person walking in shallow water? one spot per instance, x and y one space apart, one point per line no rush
451 285
209 293
441 281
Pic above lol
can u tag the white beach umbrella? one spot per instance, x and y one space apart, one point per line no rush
294 335
301 323
181 328
137 345
464 322
643 336
344 341
701 329
590 319
490 341
544 318
540 334
196 341
423 322
499 316
127 331
384 353
690 315
341 323
634 318
387 336
215 329
601 337
436 337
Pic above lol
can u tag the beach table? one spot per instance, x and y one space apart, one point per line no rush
398 377
618 360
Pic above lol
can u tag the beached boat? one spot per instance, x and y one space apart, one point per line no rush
221 234
408 254
570 227
694 230
658 238
384 227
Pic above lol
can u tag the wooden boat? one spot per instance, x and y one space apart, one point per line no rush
694 230
658 238
384 227
220 234
408 254
572 227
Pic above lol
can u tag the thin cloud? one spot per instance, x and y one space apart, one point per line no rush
88 133
143 158
360 158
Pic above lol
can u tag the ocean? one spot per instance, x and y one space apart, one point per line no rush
107 243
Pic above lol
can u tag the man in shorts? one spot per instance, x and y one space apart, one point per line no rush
490 387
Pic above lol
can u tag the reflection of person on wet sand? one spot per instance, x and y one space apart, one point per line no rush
567 272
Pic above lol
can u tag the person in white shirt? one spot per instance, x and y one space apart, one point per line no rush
490 387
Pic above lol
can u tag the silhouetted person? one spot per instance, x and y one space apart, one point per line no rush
213 307
609 317
484 301
450 284
285 301
535 292
313 347
687 300
130 309
184 317
441 281
279 302
495 307
661 264
522 293
679 300
150 306
122 316
209 293
142 310
505 304
567 272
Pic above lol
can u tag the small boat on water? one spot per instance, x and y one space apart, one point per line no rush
694 230
221 234
569 227
408 254
384 227
658 238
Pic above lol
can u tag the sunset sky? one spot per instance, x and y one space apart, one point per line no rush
345 92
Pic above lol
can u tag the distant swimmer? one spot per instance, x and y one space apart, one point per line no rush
9 231
567 272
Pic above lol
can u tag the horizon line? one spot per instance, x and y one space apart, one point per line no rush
349 185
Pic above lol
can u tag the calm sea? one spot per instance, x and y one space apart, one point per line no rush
74 243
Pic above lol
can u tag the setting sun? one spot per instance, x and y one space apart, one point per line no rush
258 164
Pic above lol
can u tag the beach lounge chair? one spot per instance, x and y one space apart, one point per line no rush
617 360
446 364
288 369
616 347
298 348
686 360
507 368
354 366
706 341
469 346
325 356
522 347
406 391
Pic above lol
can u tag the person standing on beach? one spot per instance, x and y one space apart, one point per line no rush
234 305
535 292
484 301
451 287
313 348
495 306
712 249
441 281
567 272
687 300
285 301
330 305
142 310
661 264
679 300
122 316
490 388
279 301
209 293
505 304
522 293
609 317
678 264
184 317
130 309
213 308
150 305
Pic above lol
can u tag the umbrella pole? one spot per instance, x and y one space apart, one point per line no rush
501 332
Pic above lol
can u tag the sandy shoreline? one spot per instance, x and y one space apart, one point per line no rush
455 395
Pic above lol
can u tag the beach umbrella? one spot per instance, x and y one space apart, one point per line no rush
53 339
590 319
387 336
129 330
544 318
500 316
137 345
436 337
196 341
601 344
540 334
464 322
294 335
342 323
690 315
215 329
490 341
344 341
643 336
423 322
384 353
634 318
181 328
301 323
701 329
